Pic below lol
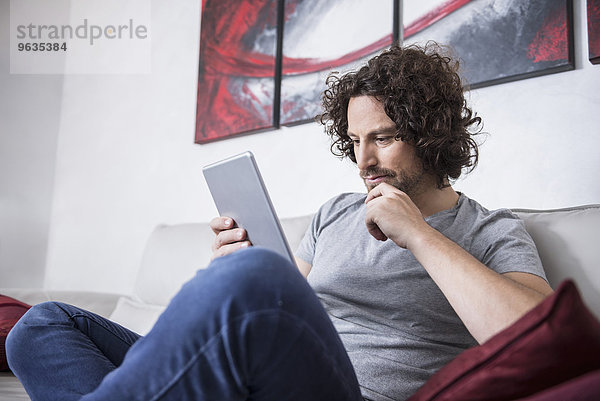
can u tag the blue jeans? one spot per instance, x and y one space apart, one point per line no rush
249 327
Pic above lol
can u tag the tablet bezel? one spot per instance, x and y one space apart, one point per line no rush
239 192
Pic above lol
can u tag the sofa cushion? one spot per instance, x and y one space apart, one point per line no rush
556 341
566 240
136 316
11 311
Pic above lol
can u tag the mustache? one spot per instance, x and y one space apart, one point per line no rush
376 171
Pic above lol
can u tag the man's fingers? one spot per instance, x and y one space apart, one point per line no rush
381 190
372 226
221 223
374 193
230 248
229 237
376 232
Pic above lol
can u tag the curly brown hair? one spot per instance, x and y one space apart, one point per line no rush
422 93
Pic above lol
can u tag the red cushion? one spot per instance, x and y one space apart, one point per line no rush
11 311
556 341
582 388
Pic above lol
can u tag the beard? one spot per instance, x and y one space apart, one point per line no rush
408 182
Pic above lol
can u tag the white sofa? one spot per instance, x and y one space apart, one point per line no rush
567 241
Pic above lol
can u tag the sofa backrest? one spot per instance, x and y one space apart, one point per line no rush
567 241
174 253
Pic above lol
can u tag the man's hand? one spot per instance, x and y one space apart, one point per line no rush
229 238
392 214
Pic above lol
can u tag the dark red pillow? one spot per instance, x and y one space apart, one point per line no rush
555 342
582 388
11 311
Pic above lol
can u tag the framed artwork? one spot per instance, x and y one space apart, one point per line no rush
236 76
593 23
263 63
496 41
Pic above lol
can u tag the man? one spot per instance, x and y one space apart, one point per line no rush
403 278
404 121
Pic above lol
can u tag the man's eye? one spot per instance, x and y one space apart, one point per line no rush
383 139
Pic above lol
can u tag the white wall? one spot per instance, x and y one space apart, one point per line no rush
126 160
29 127
543 147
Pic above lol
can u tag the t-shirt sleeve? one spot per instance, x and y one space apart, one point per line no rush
327 213
306 249
506 246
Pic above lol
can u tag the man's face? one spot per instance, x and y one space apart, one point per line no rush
379 156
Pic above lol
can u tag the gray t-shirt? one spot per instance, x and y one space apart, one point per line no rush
396 325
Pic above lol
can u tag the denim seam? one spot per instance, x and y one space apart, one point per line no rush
99 323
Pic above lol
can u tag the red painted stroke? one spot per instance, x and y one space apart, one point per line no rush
551 42
434 16
225 23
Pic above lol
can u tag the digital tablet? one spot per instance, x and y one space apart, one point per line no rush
239 192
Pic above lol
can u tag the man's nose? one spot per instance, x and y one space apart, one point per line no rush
365 156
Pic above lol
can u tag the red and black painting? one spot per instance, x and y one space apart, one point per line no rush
497 41
593 23
236 78
263 63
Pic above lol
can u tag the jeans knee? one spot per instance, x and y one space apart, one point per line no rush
250 279
16 342
21 337
255 269
254 261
